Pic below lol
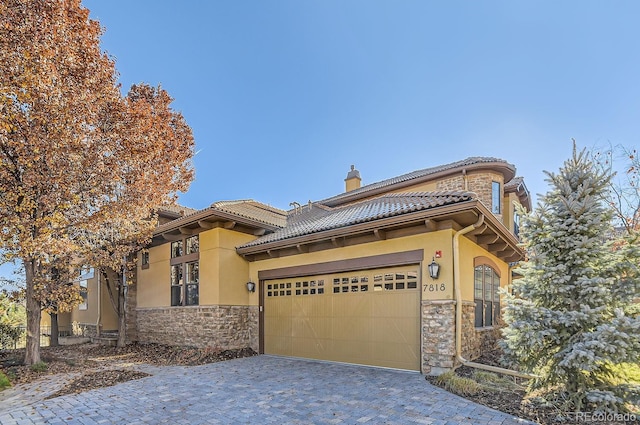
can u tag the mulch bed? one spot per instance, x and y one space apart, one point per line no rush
515 402
88 359
101 379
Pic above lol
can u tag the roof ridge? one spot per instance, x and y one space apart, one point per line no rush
414 175
258 204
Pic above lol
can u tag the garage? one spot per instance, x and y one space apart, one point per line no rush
368 317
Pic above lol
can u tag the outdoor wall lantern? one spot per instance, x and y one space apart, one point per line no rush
251 287
434 269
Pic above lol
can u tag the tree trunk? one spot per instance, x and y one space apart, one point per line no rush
32 352
53 339
122 314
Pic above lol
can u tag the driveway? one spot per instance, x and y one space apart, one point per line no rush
262 390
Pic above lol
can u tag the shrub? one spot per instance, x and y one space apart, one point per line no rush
9 335
39 367
4 381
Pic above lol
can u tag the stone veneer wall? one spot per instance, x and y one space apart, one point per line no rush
131 314
476 341
217 326
479 183
438 336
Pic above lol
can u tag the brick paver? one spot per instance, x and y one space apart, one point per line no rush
262 390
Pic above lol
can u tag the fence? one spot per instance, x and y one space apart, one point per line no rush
45 334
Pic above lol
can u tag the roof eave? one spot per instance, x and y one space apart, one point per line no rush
210 214
443 213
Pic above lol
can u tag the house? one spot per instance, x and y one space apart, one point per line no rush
369 276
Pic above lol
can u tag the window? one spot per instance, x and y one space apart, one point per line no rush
86 272
193 245
176 285
145 259
192 278
176 249
185 271
496 197
83 294
516 223
486 284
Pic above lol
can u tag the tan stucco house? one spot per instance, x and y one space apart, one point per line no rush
351 278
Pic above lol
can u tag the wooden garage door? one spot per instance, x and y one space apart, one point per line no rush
369 317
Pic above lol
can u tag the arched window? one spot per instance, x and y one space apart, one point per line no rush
486 283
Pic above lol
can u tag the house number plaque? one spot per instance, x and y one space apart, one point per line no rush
434 287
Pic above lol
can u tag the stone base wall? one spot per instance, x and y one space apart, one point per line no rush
218 326
476 341
439 340
438 336
84 329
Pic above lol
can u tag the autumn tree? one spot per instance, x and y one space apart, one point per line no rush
74 153
160 138
57 293
623 193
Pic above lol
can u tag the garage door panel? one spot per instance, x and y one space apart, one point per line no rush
350 305
277 344
309 306
365 317
313 348
397 331
352 329
396 304
351 351
316 327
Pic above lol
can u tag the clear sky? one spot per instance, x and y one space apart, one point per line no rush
283 96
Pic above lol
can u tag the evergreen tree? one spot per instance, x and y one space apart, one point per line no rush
571 319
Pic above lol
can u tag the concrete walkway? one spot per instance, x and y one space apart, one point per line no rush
258 390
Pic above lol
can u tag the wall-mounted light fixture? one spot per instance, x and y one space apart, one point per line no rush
434 269
251 287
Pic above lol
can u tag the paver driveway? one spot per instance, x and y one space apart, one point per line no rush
263 390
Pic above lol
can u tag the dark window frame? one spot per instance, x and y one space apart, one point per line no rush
185 292
144 259
496 197
486 283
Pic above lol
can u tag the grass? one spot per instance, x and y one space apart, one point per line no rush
456 384
494 381
479 381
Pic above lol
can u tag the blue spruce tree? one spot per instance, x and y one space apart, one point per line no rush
571 318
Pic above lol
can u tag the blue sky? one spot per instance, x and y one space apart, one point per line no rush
283 96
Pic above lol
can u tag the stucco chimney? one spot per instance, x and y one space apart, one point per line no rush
353 179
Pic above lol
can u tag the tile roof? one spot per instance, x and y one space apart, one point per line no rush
177 209
514 183
318 218
254 212
248 208
334 200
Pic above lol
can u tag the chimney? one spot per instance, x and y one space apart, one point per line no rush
353 180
